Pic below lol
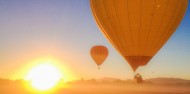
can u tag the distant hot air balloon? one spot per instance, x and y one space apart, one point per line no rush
99 54
138 28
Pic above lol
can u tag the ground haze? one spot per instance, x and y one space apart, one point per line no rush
114 86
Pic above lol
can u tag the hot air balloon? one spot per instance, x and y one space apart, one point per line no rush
99 54
138 28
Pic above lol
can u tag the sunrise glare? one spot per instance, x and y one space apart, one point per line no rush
43 76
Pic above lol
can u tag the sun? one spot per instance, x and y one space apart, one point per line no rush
43 76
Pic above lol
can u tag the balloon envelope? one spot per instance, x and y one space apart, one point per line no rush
99 54
138 28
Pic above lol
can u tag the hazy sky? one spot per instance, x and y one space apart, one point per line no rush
35 31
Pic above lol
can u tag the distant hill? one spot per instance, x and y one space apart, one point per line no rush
168 81
108 79
159 80
8 81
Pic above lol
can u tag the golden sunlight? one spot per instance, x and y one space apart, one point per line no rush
43 76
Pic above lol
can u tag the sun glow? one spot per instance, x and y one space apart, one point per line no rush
43 76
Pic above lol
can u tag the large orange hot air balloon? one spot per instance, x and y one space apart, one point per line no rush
99 54
138 28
